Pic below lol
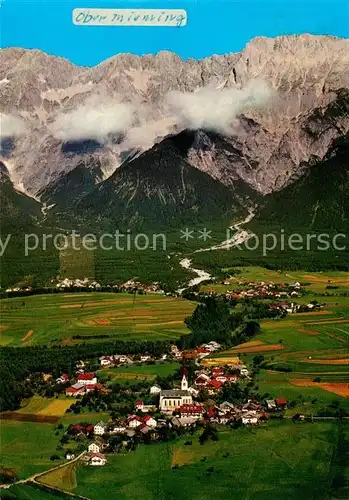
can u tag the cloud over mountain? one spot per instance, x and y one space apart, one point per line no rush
11 126
93 121
214 109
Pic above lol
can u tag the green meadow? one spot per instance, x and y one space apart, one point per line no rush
27 446
137 373
279 460
58 318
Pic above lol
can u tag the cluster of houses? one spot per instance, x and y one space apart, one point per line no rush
201 351
133 284
262 290
78 283
293 307
176 408
123 359
177 354
84 383
215 378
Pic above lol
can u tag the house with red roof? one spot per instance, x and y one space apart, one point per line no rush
97 459
150 421
217 371
191 410
63 379
75 390
87 378
214 386
281 403
134 421
202 380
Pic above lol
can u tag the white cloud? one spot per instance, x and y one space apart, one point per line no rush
93 121
214 109
11 126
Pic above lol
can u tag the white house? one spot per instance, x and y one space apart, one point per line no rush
145 357
87 378
155 389
94 448
244 372
134 422
100 428
150 421
117 429
193 391
249 418
98 459
106 360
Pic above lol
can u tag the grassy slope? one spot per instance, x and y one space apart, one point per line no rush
27 446
280 461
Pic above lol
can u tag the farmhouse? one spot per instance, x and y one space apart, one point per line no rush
133 421
281 403
271 404
155 389
87 378
100 428
184 421
191 410
63 379
140 406
75 390
150 421
94 448
145 357
202 380
97 459
117 428
249 419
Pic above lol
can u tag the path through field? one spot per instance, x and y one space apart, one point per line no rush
34 477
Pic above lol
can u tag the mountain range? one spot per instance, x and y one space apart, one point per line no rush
155 140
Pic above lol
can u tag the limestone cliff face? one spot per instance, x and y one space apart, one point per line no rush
266 147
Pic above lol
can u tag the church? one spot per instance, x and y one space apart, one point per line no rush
174 398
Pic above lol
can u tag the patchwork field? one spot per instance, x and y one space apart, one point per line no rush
58 318
176 471
39 409
301 347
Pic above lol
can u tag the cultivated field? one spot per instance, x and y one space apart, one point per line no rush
301 347
58 318
217 469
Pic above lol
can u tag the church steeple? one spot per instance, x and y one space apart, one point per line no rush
184 383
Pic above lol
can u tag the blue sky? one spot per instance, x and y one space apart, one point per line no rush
214 27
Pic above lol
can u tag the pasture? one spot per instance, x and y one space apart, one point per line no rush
27 446
254 464
137 373
72 318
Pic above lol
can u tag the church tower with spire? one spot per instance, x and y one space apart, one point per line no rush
184 383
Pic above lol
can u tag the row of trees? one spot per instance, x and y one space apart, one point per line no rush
17 365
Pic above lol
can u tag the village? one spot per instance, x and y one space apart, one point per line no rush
164 413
